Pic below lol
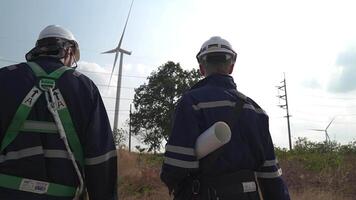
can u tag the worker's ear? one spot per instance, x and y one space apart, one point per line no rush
202 70
69 57
231 69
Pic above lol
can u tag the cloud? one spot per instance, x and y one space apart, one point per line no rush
344 75
88 66
99 75
312 83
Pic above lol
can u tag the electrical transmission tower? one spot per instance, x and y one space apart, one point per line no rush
283 88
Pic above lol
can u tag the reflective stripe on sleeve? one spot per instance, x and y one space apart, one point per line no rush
52 153
269 174
39 126
181 163
213 104
15 155
269 163
180 150
101 159
34 151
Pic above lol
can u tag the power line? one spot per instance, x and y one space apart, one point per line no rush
335 106
104 85
108 73
115 98
80 70
9 61
328 97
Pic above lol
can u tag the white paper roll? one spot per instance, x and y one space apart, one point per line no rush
212 139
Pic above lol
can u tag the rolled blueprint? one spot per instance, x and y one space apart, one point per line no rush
212 139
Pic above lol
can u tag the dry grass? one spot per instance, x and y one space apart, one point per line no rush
314 194
139 180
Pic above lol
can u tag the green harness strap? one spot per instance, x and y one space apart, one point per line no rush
64 114
20 116
34 186
46 81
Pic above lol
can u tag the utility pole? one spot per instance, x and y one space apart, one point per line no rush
130 130
284 97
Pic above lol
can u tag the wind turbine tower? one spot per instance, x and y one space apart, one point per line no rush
118 50
327 138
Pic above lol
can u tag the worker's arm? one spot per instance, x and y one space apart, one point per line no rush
100 154
270 174
179 157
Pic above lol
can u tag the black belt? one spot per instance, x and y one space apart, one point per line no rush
235 184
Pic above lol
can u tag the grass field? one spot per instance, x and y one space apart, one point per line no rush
309 175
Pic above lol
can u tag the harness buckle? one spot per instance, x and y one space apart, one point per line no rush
47 84
195 187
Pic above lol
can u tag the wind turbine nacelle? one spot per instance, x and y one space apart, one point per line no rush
118 50
124 51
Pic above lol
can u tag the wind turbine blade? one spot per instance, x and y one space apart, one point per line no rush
113 68
111 51
123 32
317 130
330 123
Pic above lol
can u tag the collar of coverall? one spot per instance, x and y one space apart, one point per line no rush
218 80
44 61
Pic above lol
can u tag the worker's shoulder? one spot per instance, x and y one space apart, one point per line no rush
13 72
11 68
247 99
250 104
77 78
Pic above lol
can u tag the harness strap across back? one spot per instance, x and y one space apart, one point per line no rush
20 123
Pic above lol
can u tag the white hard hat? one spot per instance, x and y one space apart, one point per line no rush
216 44
56 31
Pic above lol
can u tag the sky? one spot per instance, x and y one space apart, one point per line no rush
312 41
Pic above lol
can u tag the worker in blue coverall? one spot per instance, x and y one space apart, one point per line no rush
56 140
245 168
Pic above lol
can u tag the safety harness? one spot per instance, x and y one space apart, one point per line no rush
63 125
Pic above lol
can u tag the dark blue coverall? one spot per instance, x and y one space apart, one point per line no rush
250 148
43 156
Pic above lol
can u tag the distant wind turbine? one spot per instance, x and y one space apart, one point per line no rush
118 50
327 138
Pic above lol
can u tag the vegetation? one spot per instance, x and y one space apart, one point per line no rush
318 156
318 171
120 136
156 100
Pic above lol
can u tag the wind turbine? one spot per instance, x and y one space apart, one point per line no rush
118 50
327 138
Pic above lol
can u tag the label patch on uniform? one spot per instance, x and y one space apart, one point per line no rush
60 104
29 185
249 186
32 97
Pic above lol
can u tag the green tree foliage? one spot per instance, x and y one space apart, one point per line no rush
318 156
120 136
155 102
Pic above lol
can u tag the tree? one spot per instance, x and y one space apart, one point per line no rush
155 102
120 136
